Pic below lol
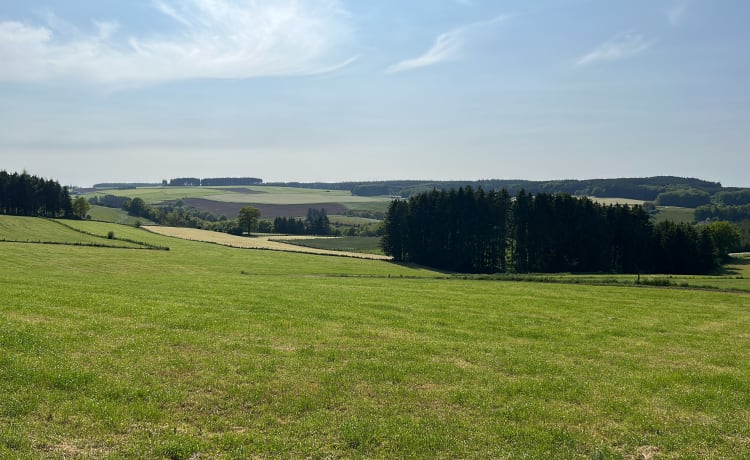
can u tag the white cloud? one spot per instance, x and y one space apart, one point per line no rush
622 46
447 46
213 39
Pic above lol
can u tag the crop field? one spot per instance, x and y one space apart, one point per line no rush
207 351
614 201
267 211
272 201
296 198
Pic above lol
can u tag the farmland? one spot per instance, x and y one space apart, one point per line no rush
276 243
277 201
207 351
272 201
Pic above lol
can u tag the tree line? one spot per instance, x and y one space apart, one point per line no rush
316 223
638 188
212 182
248 220
487 232
728 213
27 195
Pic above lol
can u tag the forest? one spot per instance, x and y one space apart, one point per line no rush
476 232
27 195
645 188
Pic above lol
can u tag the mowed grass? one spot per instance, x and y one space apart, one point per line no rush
33 230
356 244
212 352
117 216
734 276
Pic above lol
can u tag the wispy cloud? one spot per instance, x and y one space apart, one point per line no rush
676 12
211 39
447 46
622 46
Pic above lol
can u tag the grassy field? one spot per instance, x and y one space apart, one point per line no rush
254 194
675 214
152 195
206 351
290 195
117 216
265 197
361 244
269 242
348 220
31 230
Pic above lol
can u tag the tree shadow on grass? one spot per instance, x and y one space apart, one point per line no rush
414 266
733 267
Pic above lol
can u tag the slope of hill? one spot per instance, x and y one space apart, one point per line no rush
207 351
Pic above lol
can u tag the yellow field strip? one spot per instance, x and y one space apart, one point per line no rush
256 242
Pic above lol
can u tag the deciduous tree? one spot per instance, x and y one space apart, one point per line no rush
248 219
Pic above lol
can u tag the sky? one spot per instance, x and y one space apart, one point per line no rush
337 90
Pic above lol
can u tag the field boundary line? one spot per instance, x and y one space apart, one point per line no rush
127 240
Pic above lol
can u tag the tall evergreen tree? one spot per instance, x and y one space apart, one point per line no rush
472 231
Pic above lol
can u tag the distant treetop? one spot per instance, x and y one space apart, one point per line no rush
125 185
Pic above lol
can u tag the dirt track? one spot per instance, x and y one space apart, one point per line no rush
257 242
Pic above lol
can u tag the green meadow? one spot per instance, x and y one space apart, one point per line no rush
363 244
152 195
118 216
258 194
205 351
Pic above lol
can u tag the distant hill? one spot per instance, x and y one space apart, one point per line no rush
645 189
125 185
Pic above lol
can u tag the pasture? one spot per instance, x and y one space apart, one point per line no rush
117 216
32 230
207 351
354 244
675 214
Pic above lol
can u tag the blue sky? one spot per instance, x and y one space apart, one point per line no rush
326 90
